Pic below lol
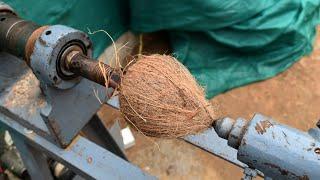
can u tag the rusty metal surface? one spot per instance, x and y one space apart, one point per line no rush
262 126
45 58
33 159
279 151
82 156
31 42
207 140
93 70
20 95
211 142
14 33
72 109
236 133
56 115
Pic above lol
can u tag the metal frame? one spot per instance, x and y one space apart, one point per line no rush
57 115
211 142
280 151
35 120
207 140
83 156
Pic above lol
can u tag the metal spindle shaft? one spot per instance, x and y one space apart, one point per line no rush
91 69
15 33
18 37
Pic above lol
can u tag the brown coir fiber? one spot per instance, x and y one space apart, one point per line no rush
162 99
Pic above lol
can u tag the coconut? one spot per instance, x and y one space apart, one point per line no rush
160 97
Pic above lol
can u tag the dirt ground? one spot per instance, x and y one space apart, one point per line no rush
292 97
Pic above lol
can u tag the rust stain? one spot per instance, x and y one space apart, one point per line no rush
56 130
233 136
91 69
43 42
317 150
285 172
244 142
73 142
55 126
31 42
89 159
241 155
273 136
262 127
25 94
80 153
282 171
305 177
285 137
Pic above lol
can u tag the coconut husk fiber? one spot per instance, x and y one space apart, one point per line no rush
161 98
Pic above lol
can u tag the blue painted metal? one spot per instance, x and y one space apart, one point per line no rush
114 102
59 115
207 140
223 127
20 95
72 109
45 55
23 107
82 156
234 137
33 159
315 133
279 151
249 173
274 150
211 142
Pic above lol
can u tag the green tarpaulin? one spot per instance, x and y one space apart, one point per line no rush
225 44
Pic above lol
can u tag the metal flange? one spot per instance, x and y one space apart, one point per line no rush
48 51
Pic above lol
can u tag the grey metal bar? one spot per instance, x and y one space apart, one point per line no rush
207 140
211 142
82 156
99 134
34 160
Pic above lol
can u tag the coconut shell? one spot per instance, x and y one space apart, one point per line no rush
160 97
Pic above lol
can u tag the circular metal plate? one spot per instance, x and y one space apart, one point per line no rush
47 50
